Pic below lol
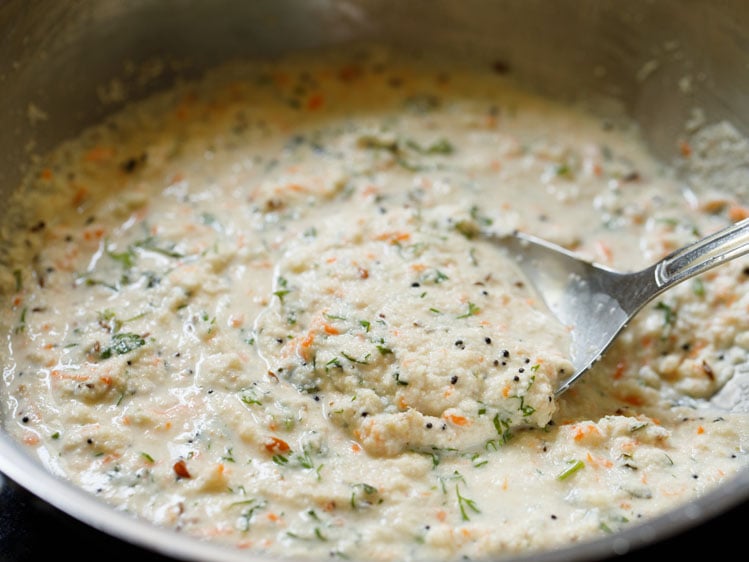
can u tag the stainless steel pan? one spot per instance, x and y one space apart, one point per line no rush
64 65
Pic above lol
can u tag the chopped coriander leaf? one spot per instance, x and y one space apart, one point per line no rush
122 343
208 219
442 146
21 326
433 276
467 229
126 258
334 317
473 310
362 361
669 315
250 398
465 504
574 466
364 495
384 350
280 460
282 290
281 293
563 170
335 362
151 245
319 535
479 218
305 460
698 287
502 427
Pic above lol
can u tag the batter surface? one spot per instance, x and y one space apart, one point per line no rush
259 309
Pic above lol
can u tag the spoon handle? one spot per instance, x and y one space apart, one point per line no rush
709 252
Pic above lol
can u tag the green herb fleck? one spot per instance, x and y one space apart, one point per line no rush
152 245
478 460
305 460
334 317
253 505
21 326
122 343
441 146
473 310
574 466
698 287
563 170
319 535
280 460
250 398
669 314
467 229
209 219
335 362
283 290
502 427
126 258
364 495
108 319
229 456
465 504
363 361
434 276
479 218
384 350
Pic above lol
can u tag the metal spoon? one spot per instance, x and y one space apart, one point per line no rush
598 302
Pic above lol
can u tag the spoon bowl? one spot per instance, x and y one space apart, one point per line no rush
597 302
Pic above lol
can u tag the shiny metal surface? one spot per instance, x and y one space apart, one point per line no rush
597 302
64 65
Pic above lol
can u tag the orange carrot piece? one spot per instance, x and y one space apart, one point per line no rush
619 371
180 468
737 213
79 196
685 149
458 420
315 101
99 153
275 445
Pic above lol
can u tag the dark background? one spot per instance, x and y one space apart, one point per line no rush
33 531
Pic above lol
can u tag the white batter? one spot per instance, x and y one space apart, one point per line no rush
258 309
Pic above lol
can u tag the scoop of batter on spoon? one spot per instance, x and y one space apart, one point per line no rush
596 302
